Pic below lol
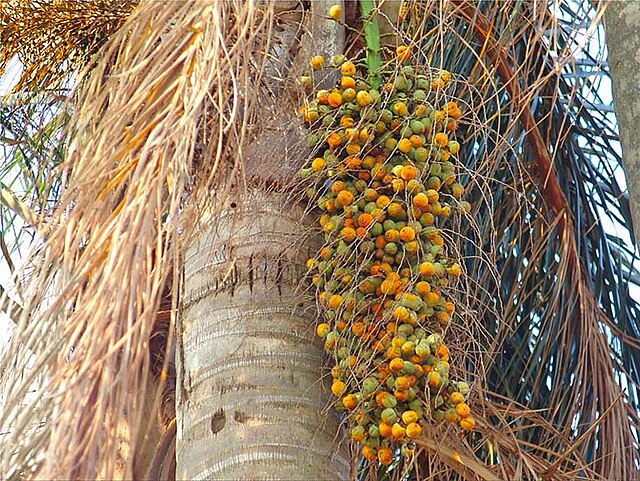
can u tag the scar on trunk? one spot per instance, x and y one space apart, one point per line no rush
218 420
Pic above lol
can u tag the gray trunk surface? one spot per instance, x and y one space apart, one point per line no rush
251 402
622 19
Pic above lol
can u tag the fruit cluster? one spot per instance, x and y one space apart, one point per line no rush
383 174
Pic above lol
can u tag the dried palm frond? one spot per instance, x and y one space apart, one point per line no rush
170 86
52 38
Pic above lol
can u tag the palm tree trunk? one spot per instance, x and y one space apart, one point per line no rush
250 401
622 19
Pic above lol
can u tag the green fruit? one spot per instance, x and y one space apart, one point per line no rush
438 415
417 127
409 368
419 95
391 248
377 229
389 415
390 401
422 349
369 385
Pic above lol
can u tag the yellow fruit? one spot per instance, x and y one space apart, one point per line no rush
358 433
369 453
350 401
363 98
463 410
396 364
467 423
338 387
318 164
404 146
335 12
414 431
441 139
317 62
335 300
400 108
409 417
348 69
323 329
398 432
456 398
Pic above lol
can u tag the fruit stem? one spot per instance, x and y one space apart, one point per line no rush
372 40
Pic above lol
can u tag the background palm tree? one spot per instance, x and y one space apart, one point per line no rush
159 143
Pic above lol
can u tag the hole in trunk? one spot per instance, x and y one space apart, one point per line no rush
218 420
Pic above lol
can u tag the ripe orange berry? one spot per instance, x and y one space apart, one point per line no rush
385 456
347 82
358 328
365 220
416 141
403 53
433 196
335 99
407 234
401 314
369 453
403 382
426 269
414 430
396 364
334 140
467 423
348 233
421 200
352 162
318 164
380 397
335 300
338 387
423 288
385 429
346 121
404 146
433 379
441 139
392 235
443 352
408 172
345 197
350 401
463 410
454 270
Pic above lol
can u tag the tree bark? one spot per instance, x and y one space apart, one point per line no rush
250 394
622 21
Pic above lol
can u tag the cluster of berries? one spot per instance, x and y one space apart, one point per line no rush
383 174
